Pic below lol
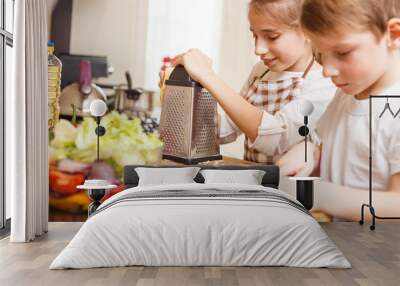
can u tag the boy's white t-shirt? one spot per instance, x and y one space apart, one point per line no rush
278 133
344 133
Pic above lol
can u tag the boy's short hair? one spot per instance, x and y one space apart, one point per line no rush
286 12
325 16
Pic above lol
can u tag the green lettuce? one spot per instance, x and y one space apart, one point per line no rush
125 142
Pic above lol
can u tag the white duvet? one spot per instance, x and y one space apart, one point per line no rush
202 231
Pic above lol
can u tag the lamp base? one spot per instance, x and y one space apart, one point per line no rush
96 195
305 193
305 190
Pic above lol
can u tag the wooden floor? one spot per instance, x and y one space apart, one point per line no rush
375 257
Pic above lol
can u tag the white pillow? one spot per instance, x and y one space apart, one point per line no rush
248 177
166 176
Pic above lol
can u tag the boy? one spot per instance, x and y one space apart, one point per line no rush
357 42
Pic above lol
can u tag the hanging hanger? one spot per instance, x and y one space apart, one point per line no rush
397 114
387 107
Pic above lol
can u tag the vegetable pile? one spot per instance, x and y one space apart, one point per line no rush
73 156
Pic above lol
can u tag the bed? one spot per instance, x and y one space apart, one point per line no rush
198 224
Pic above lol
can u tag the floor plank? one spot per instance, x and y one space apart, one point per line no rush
375 257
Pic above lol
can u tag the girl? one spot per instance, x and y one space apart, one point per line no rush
266 110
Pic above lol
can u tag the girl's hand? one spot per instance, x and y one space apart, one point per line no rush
197 64
293 164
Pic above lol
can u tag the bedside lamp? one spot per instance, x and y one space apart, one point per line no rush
97 109
97 188
305 185
305 109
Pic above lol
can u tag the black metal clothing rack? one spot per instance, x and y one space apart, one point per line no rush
370 203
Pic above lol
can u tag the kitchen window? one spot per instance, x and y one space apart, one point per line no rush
6 64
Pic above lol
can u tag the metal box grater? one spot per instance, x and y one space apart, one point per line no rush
188 123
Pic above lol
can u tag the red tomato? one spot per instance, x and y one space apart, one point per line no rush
112 192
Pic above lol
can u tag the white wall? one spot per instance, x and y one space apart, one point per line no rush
106 28
51 4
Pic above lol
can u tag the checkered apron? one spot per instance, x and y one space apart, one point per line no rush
271 96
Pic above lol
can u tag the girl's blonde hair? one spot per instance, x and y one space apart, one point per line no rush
286 12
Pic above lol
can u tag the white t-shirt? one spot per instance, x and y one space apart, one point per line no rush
344 133
278 133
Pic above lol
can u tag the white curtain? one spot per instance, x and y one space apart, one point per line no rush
26 124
